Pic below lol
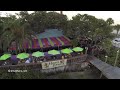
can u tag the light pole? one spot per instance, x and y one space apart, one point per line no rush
116 58
106 58
7 40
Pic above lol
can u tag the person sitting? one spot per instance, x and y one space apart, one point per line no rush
54 57
63 57
38 59
41 61
35 60
19 62
30 60
5 63
23 61
44 59
81 53
70 55
27 61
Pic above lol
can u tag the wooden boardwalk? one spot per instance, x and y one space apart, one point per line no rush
107 70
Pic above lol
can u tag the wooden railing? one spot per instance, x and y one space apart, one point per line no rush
77 59
33 66
106 69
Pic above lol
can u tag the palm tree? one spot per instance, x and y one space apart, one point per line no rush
110 21
20 33
14 31
117 28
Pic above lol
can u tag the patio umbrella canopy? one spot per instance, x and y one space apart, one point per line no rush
77 49
22 55
49 38
38 54
53 52
66 51
5 57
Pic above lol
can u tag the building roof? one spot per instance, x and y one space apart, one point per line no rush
50 33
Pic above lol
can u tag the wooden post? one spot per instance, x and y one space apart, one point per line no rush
116 58
42 49
106 58
86 49
58 47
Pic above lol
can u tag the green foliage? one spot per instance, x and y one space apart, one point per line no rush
89 26
38 21
107 44
30 75
63 76
18 29
117 27
111 56
110 21
22 75
13 30
74 42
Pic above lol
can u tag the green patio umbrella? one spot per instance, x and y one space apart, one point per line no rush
22 55
5 57
66 51
53 52
77 49
38 54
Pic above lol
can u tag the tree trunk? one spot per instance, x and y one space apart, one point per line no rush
17 47
117 33
2 46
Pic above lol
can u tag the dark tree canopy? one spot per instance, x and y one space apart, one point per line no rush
36 22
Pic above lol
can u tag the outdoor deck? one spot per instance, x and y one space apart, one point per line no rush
107 70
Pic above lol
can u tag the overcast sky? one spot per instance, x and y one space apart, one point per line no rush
115 15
